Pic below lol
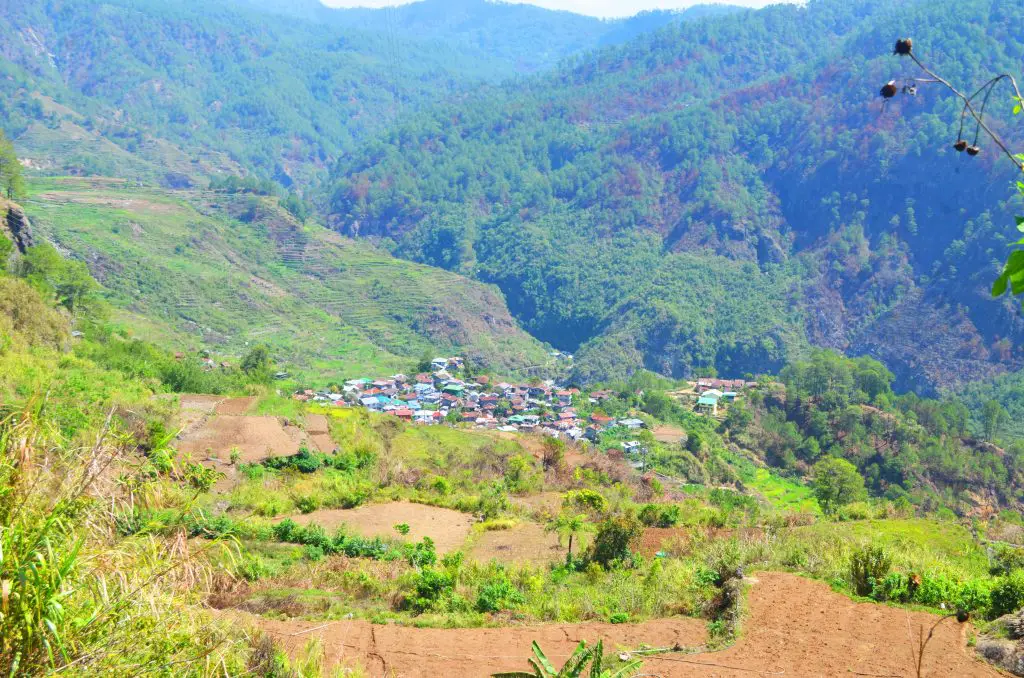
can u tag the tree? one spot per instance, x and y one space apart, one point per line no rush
568 524
256 362
68 281
993 417
615 538
11 183
553 455
836 483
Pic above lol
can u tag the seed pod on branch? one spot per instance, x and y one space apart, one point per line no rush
889 89
973 150
903 46
960 145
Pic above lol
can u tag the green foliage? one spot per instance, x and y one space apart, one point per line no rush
575 666
497 594
12 185
615 538
1008 594
66 280
869 567
837 483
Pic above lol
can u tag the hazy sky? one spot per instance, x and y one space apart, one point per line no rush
602 8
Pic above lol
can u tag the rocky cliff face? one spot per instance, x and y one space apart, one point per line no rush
15 226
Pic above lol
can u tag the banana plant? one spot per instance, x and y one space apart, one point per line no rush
575 666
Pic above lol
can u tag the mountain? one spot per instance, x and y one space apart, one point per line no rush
604 196
177 92
195 270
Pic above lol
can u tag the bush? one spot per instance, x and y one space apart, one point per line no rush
654 515
869 565
307 504
432 587
313 553
498 594
619 618
1008 594
615 538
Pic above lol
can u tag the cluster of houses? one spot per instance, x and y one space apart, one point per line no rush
439 397
710 392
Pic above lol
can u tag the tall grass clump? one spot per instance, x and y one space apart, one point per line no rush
73 595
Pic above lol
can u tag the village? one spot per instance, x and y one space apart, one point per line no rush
440 397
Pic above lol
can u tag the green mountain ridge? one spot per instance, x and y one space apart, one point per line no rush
758 137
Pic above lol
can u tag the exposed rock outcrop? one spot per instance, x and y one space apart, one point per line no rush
15 226
1002 644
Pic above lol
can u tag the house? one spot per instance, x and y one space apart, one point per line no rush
712 393
423 416
601 419
403 413
631 446
707 405
729 396
632 423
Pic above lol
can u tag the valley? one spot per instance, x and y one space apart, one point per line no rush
474 338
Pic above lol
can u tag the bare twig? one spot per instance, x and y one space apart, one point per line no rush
979 116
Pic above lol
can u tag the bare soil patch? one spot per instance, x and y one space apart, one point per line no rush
526 543
795 627
235 406
422 653
446 527
255 437
541 503
669 434
318 430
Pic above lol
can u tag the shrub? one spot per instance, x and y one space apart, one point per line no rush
498 594
1006 559
654 515
615 538
586 500
313 553
431 588
1008 594
619 618
307 504
252 569
869 565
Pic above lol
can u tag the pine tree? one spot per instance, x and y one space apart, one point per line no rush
11 182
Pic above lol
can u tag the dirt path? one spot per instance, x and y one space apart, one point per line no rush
795 627
446 527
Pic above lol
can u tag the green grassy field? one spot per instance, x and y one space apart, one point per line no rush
225 272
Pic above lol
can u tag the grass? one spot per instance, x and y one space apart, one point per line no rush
223 272
782 493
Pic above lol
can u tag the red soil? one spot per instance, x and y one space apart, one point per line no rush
446 527
794 627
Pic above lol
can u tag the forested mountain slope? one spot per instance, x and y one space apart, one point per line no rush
755 143
179 91
142 88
